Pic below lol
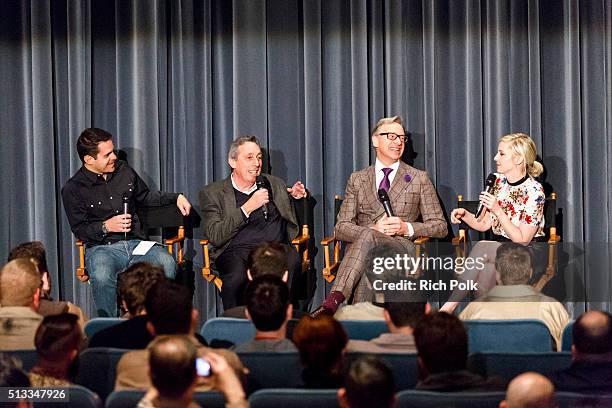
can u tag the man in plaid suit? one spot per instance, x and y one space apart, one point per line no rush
362 222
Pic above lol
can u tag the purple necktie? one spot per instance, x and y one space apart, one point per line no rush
385 184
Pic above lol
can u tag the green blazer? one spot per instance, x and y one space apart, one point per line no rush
222 219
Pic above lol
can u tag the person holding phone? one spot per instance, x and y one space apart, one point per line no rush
175 369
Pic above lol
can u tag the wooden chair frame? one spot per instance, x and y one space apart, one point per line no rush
178 240
460 241
330 243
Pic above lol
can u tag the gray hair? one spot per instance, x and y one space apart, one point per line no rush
387 121
239 141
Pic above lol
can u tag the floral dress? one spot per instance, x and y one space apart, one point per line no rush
523 203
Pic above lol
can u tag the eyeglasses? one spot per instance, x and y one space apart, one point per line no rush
393 136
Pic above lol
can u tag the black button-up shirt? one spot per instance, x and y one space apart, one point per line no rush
89 200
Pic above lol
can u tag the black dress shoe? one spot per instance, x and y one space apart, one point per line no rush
321 310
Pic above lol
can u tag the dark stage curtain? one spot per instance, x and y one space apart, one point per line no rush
176 81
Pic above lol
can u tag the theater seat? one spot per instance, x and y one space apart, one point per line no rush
77 396
130 398
573 400
98 369
236 331
404 366
100 323
508 365
364 329
294 398
228 329
429 399
508 336
28 358
566 337
271 370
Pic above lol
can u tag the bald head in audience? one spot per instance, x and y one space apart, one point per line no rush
529 390
20 284
592 335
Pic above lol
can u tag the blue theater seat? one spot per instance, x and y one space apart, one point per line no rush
429 399
508 365
98 369
100 323
294 398
130 398
508 336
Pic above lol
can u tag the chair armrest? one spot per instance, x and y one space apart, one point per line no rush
81 273
421 240
330 267
328 240
300 240
554 238
301 246
179 239
206 269
459 238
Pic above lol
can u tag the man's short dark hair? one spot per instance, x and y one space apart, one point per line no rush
33 249
134 283
267 301
168 305
513 263
172 364
87 143
593 338
369 383
269 258
442 342
11 372
57 335
405 314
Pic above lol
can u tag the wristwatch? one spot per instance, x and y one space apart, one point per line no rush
104 229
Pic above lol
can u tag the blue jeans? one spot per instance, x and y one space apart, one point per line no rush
105 262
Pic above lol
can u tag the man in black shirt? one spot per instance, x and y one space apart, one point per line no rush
235 221
93 199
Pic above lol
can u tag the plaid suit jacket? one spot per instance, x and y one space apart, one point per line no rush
411 194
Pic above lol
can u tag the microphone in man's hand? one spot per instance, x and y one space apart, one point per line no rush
126 209
262 182
383 197
489 183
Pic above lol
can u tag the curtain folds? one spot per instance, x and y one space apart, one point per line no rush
176 81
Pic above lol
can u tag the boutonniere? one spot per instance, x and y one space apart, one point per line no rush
407 178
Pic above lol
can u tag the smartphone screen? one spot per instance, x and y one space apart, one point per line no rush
202 367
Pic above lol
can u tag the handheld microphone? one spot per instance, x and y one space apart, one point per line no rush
383 197
261 182
489 183
126 209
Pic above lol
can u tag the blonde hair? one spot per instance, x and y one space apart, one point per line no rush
386 121
19 280
522 145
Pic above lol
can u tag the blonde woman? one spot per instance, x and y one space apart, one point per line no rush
513 210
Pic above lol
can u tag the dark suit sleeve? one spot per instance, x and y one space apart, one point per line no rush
346 226
220 224
434 224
